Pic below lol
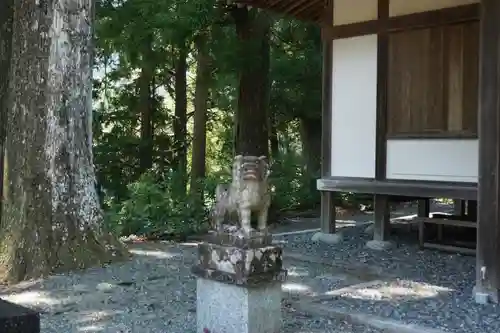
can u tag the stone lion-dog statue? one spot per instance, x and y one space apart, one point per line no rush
247 193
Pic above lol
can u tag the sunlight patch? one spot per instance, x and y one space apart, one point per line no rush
93 316
192 244
295 287
33 298
153 253
401 290
297 271
91 328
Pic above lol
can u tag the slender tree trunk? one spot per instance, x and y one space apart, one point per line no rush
180 121
273 136
146 107
310 132
6 16
52 217
253 28
201 95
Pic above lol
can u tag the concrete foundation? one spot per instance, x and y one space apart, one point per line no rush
229 308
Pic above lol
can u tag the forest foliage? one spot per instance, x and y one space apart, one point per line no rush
180 86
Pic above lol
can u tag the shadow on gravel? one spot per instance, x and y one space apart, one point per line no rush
423 287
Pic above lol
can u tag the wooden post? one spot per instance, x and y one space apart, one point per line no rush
327 202
382 217
472 210
327 213
424 207
458 207
488 231
382 213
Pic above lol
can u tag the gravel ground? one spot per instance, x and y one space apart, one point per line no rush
407 269
154 292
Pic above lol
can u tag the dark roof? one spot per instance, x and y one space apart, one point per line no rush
306 10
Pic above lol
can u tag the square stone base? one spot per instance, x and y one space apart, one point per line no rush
18 319
229 308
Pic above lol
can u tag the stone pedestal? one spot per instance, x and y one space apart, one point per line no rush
239 284
18 319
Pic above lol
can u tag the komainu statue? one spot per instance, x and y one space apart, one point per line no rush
247 193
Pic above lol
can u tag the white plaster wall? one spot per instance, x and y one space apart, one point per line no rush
454 160
352 11
404 7
354 106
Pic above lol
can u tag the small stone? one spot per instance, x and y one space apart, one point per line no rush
331 239
378 245
106 287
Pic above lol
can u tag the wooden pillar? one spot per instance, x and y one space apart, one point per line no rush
327 213
488 231
424 207
327 198
472 209
459 207
382 214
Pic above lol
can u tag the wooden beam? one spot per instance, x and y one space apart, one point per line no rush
409 188
488 236
327 203
427 19
306 10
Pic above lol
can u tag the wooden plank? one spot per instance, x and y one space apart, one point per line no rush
454 68
449 248
440 17
450 222
488 245
470 77
416 84
409 188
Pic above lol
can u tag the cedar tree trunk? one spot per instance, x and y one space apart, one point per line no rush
52 217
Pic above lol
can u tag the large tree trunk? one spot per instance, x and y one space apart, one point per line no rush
6 16
180 120
201 95
52 218
253 28
146 107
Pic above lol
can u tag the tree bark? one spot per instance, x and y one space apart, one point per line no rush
310 132
146 107
6 16
201 95
180 120
52 217
251 133
273 136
